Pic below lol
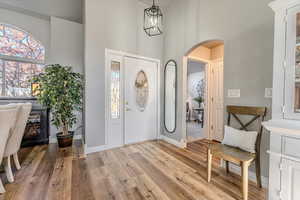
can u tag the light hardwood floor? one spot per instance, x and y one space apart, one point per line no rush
150 170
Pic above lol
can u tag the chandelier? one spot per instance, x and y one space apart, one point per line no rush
153 20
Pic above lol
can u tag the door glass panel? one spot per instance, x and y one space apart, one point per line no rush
142 90
115 90
297 66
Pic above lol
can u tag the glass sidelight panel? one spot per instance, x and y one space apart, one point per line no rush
297 66
115 90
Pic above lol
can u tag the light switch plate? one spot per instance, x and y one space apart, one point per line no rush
234 93
268 92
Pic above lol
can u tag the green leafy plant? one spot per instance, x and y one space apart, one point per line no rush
61 90
199 100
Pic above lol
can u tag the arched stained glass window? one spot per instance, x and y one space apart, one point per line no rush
18 43
21 57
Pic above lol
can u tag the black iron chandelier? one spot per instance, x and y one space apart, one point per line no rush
153 18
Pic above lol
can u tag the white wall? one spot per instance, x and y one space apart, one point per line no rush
247 30
66 9
67 43
114 24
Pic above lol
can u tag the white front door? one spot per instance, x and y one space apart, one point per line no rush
140 94
216 128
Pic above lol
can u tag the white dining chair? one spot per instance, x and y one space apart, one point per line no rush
8 117
14 141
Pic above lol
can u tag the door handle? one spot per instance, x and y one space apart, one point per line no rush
128 109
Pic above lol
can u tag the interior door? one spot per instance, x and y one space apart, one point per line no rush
216 126
140 100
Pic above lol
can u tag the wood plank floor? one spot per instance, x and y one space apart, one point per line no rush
150 170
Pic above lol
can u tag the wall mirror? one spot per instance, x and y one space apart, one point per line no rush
170 100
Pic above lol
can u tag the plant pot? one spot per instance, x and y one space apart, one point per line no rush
65 140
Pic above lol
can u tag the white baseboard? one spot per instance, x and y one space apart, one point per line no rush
180 144
88 150
53 140
252 176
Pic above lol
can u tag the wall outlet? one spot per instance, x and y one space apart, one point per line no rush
268 92
234 93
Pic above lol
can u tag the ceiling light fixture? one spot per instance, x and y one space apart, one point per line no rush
153 18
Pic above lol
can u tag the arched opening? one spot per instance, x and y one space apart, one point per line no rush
203 91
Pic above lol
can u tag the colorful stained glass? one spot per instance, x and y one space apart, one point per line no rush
1 30
1 78
11 78
115 90
15 76
18 43
297 67
37 69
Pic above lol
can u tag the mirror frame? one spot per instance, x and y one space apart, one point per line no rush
176 85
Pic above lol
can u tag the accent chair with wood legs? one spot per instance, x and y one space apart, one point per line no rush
7 120
14 141
236 155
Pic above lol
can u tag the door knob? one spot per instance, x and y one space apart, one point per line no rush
128 109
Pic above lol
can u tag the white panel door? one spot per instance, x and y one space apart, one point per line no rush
140 121
216 82
290 177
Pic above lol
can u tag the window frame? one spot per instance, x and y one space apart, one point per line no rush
22 60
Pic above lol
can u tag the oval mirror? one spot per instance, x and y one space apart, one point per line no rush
170 96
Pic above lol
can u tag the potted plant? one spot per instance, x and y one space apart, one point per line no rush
199 100
61 90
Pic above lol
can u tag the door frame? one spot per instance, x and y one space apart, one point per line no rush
209 92
108 54
211 102
207 95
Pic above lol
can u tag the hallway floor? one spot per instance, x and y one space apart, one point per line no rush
150 170
194 131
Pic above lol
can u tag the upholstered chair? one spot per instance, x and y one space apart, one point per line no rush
14 141
7 120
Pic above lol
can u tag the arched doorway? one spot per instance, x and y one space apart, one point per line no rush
203 91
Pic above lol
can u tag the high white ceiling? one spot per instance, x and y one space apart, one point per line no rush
67 9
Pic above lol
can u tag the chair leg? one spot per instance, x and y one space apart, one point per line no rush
227 166
245 166
2 189
209 163
16 160
258 172
8 171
